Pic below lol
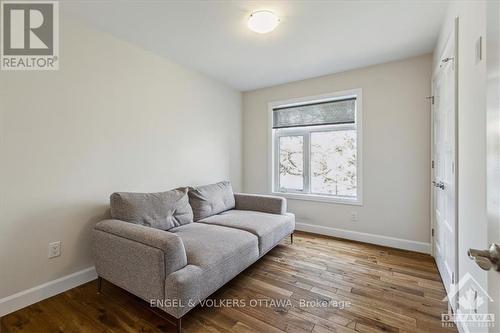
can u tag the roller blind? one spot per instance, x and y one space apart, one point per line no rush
314 114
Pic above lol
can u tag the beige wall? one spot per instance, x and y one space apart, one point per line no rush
396 148
113 118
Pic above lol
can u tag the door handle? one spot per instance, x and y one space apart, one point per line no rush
486 259
438 184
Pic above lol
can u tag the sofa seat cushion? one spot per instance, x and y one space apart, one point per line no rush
269 228
215 255
211 245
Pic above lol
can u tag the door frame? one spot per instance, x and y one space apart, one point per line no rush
454 31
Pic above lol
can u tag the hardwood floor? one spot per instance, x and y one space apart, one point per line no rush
382 289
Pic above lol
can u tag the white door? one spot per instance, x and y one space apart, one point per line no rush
444 162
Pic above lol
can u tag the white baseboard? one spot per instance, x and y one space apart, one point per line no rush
27 297
398 243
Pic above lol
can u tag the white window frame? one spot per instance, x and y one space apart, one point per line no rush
273 149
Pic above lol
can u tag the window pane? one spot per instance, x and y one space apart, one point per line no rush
291 150
333 163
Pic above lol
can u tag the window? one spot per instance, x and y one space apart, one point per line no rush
315 148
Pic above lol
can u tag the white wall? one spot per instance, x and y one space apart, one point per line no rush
396 149
493 141
113 118
472 216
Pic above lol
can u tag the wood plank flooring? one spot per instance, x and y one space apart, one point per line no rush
292 289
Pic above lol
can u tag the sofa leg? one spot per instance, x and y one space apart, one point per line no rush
179 325
291 238
99 284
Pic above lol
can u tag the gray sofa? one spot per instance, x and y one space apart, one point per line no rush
176 248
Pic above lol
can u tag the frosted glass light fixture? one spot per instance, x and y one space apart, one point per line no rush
263 21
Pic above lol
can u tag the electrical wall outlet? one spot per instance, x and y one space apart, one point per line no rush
54 249
354 216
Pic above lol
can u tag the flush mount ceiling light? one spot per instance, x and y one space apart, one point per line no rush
263 21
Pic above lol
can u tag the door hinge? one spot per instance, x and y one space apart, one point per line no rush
431 98
432 164
432 232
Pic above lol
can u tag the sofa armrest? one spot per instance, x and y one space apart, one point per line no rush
135 257
169 243
260 203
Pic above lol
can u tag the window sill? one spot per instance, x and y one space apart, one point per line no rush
319 198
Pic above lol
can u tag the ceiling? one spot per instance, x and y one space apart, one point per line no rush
314 37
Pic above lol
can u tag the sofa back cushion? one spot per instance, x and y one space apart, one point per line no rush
211 199
163 210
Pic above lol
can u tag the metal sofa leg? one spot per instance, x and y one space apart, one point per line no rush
291 238
179 325
99 284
